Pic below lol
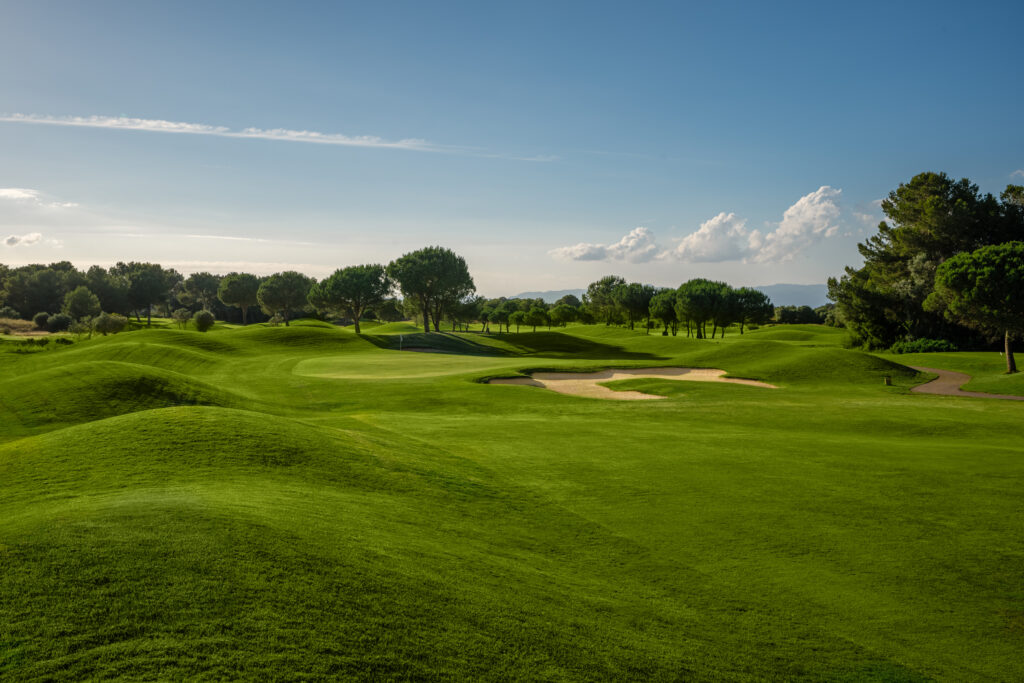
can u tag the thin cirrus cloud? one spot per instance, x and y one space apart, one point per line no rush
1019 173
725 237
279 134
184 128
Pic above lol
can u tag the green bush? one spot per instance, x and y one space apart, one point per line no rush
59 323
39 320
203 320
10 313
181 317
922 346
109 323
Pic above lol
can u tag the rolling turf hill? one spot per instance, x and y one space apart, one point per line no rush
305 503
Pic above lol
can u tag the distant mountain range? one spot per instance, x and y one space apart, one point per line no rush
781 295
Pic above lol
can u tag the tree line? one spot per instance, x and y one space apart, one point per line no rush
947 264
434 285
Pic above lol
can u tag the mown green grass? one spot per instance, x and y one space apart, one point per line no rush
304 502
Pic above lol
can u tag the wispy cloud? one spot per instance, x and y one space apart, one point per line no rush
180 127
279 134
1019 173
34 197
255 240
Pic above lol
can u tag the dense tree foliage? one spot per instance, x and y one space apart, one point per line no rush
663 308
109 323
600 299
634 299
352 291
435 277
203 320
239 289
283 293
753 307
984 289
929 220
81 304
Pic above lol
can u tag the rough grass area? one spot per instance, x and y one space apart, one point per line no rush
307 503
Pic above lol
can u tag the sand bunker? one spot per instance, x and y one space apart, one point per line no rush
588 384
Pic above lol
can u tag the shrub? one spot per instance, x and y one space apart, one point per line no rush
203 320
81 327
80 303
922 346
59 323
9 313
109 323
181 316
39 319
276 320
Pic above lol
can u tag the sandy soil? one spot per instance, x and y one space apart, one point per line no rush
948 383
588 384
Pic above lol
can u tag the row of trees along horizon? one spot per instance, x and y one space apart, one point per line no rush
434 282
944 271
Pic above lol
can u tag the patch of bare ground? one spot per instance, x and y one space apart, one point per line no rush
589 384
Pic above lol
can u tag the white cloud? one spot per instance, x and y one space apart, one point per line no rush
725 237
1019 173
23 240
636 247
721 238
19 193
811 219
162 126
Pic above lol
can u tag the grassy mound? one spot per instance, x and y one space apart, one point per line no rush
387 517
779 362
92 390
300 335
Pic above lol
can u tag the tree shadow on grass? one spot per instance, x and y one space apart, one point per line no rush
537 344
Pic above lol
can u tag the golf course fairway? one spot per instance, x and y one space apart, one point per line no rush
304 503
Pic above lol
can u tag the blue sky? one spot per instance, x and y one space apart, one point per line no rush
549 143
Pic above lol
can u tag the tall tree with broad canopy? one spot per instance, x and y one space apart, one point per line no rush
569 300
501 312
239 289
635 300
753 306
537 315
202 287
984 289
929 219
284 292
600 298
561 314
353 290
696 302
148 284
81 304
517 318
663 308
435 278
